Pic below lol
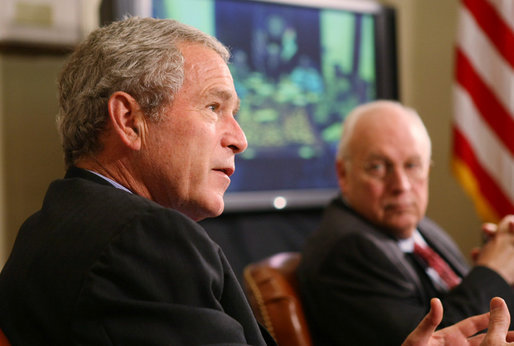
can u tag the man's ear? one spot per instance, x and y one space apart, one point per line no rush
342 171
127 119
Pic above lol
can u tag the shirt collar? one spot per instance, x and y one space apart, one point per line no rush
407 245
112 182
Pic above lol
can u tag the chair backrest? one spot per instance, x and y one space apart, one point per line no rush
272 290
3 339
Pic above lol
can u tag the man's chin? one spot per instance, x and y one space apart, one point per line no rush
218 211
214 207
401 229
205 208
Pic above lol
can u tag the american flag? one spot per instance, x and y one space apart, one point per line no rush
483 126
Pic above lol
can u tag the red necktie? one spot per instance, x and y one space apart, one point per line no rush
433 260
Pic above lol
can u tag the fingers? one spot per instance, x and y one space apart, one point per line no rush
489 229
472 325
423 332
475 252
510 336
465 331
499 322
506 224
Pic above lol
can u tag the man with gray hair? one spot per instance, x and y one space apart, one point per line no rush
369 272
114 256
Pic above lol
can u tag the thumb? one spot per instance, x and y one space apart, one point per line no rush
423 332
499 322
434 316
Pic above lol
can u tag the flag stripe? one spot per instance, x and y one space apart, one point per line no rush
486 61
494 27
488 188
505 8
486 102
483 127
491 153
488 149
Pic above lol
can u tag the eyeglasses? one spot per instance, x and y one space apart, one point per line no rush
383 169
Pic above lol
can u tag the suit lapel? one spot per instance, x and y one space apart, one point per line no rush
386 243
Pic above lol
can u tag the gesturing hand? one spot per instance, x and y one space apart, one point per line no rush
463 333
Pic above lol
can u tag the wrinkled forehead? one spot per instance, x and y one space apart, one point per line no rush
393 133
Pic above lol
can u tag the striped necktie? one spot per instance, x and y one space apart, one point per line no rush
434 261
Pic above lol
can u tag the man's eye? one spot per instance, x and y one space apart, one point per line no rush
213 107
376 168
413 165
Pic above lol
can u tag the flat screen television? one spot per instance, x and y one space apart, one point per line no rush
299 67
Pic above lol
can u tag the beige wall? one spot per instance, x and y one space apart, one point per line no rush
31 152
29 146
29 143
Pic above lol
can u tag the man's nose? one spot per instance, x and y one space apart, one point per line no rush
399 179
235 137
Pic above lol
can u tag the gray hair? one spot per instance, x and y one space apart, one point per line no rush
139 56
375 106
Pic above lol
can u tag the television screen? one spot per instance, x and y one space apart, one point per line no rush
299 67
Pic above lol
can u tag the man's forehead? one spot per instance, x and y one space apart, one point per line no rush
389 147
378 134
221 93
384 156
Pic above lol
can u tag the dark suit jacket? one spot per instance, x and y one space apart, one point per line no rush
100 266
359 288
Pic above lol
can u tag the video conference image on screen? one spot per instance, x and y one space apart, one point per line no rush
298 71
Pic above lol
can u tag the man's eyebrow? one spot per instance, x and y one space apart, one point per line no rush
220 93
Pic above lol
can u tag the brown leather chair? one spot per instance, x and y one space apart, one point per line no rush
3 339
272 290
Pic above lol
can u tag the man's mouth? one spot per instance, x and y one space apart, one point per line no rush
228 170
399 206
